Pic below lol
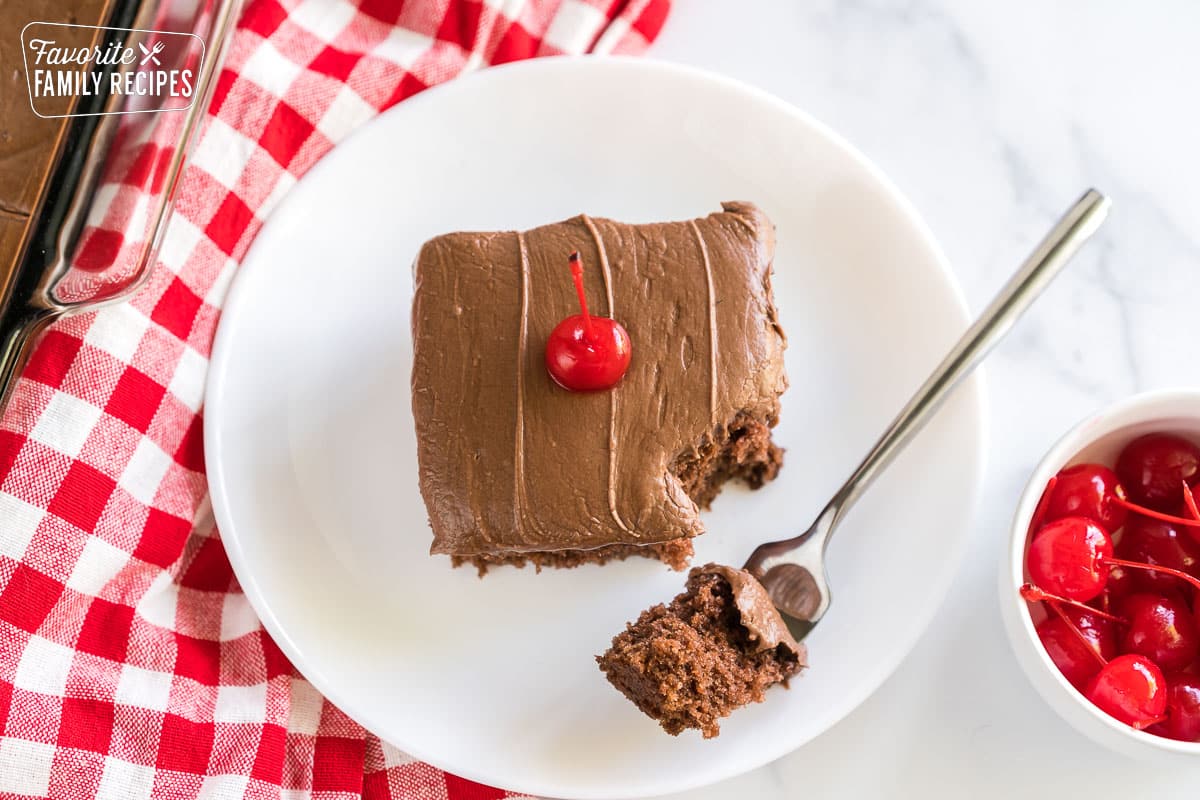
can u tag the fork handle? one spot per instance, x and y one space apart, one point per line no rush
1034 275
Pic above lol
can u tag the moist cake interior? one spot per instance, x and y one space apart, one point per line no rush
692 662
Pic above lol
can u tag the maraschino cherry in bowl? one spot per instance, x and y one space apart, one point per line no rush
1100 591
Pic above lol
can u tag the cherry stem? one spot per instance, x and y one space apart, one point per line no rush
1183 576
1189 500
1039 513
1146 723
577 274
1149 512
1033 594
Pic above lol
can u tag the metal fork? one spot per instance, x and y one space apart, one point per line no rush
793 570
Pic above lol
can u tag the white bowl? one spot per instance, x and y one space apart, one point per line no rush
1098 438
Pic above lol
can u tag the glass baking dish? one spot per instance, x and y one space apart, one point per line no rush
92 236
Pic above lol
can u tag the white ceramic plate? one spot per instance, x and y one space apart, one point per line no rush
311 450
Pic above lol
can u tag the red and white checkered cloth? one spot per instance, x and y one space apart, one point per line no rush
131 664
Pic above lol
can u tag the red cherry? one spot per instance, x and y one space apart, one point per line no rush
586 353
1155 542
1152 467
1183 709
1071 558
1072 657
583 363
1087 490
1130 688
1093 491
1068 557
1080 651
1161 629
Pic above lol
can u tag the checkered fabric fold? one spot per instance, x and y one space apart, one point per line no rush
131 664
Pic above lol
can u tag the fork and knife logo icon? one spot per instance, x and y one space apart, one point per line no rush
151 55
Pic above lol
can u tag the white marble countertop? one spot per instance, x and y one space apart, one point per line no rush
992 118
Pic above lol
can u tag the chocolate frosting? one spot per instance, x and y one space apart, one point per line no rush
759 616
510 461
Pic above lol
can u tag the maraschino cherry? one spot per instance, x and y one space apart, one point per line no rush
1162 629
1094 491
1153 466
1070 557
1132 689
1183 708
1078 643
1086 490
586 353
1152 541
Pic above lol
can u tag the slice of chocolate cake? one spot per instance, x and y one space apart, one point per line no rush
718 646
513 467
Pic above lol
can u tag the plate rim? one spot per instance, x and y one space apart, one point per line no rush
215 391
